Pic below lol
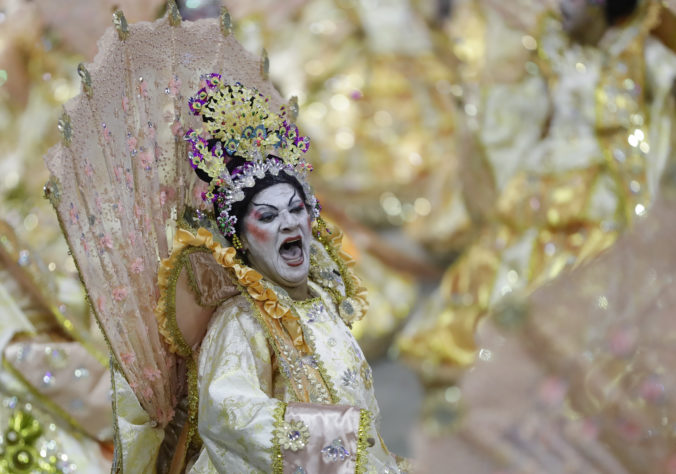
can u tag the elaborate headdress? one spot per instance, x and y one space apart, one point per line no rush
237 121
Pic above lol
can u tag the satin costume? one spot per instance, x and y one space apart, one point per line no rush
573 150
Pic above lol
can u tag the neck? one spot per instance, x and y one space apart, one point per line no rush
299 293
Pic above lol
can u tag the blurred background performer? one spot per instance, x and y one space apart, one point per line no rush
565 181
577 378
55 412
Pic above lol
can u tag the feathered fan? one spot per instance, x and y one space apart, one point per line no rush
121 178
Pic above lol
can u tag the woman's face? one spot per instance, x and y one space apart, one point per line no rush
276 235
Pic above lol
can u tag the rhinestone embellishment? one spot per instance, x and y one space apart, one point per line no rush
335 451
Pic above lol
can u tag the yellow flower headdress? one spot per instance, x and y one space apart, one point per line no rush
237 121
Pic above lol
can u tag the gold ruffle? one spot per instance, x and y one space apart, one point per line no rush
265 298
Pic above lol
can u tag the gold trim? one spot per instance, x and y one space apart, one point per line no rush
275 348
331 241
116 468
320 364
277 456
362 441
193 404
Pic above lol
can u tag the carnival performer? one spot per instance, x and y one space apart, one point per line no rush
225 298
55 413
565 182
582 368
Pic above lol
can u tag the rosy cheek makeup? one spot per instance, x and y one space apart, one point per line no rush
258 232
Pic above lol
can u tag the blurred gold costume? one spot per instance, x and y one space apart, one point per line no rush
579 378
570 169
54 383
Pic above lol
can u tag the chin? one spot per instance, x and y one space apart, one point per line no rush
295 277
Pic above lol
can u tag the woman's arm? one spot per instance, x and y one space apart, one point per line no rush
237 414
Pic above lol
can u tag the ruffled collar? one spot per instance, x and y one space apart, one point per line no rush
272 301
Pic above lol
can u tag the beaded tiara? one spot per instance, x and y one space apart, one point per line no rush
237 121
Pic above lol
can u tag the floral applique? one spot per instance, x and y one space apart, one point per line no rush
151 373
73 214
174 86
293 435
146 159
83 243
106 132
177 129
143 88
130 179
120 293
137 265
350 378
101 304
106 241
150 134
131 142
128 358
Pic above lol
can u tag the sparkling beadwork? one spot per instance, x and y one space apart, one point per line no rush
55 358
350 378
335 451
64 127
173 13
265 64
47 380
121 25
24 258
85 78
81 373
226 22
293 435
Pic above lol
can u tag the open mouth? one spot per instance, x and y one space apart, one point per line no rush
291 251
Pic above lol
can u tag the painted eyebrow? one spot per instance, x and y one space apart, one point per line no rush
264 204
295 194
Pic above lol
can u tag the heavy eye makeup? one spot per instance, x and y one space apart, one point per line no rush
266 216
297 207
271 212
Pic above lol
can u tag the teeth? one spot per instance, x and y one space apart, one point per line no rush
291 242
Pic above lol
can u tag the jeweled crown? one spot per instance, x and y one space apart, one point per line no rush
237 121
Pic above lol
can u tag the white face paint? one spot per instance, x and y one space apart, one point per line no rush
276 235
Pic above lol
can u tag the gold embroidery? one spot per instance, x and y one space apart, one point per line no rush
277 457
362 441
